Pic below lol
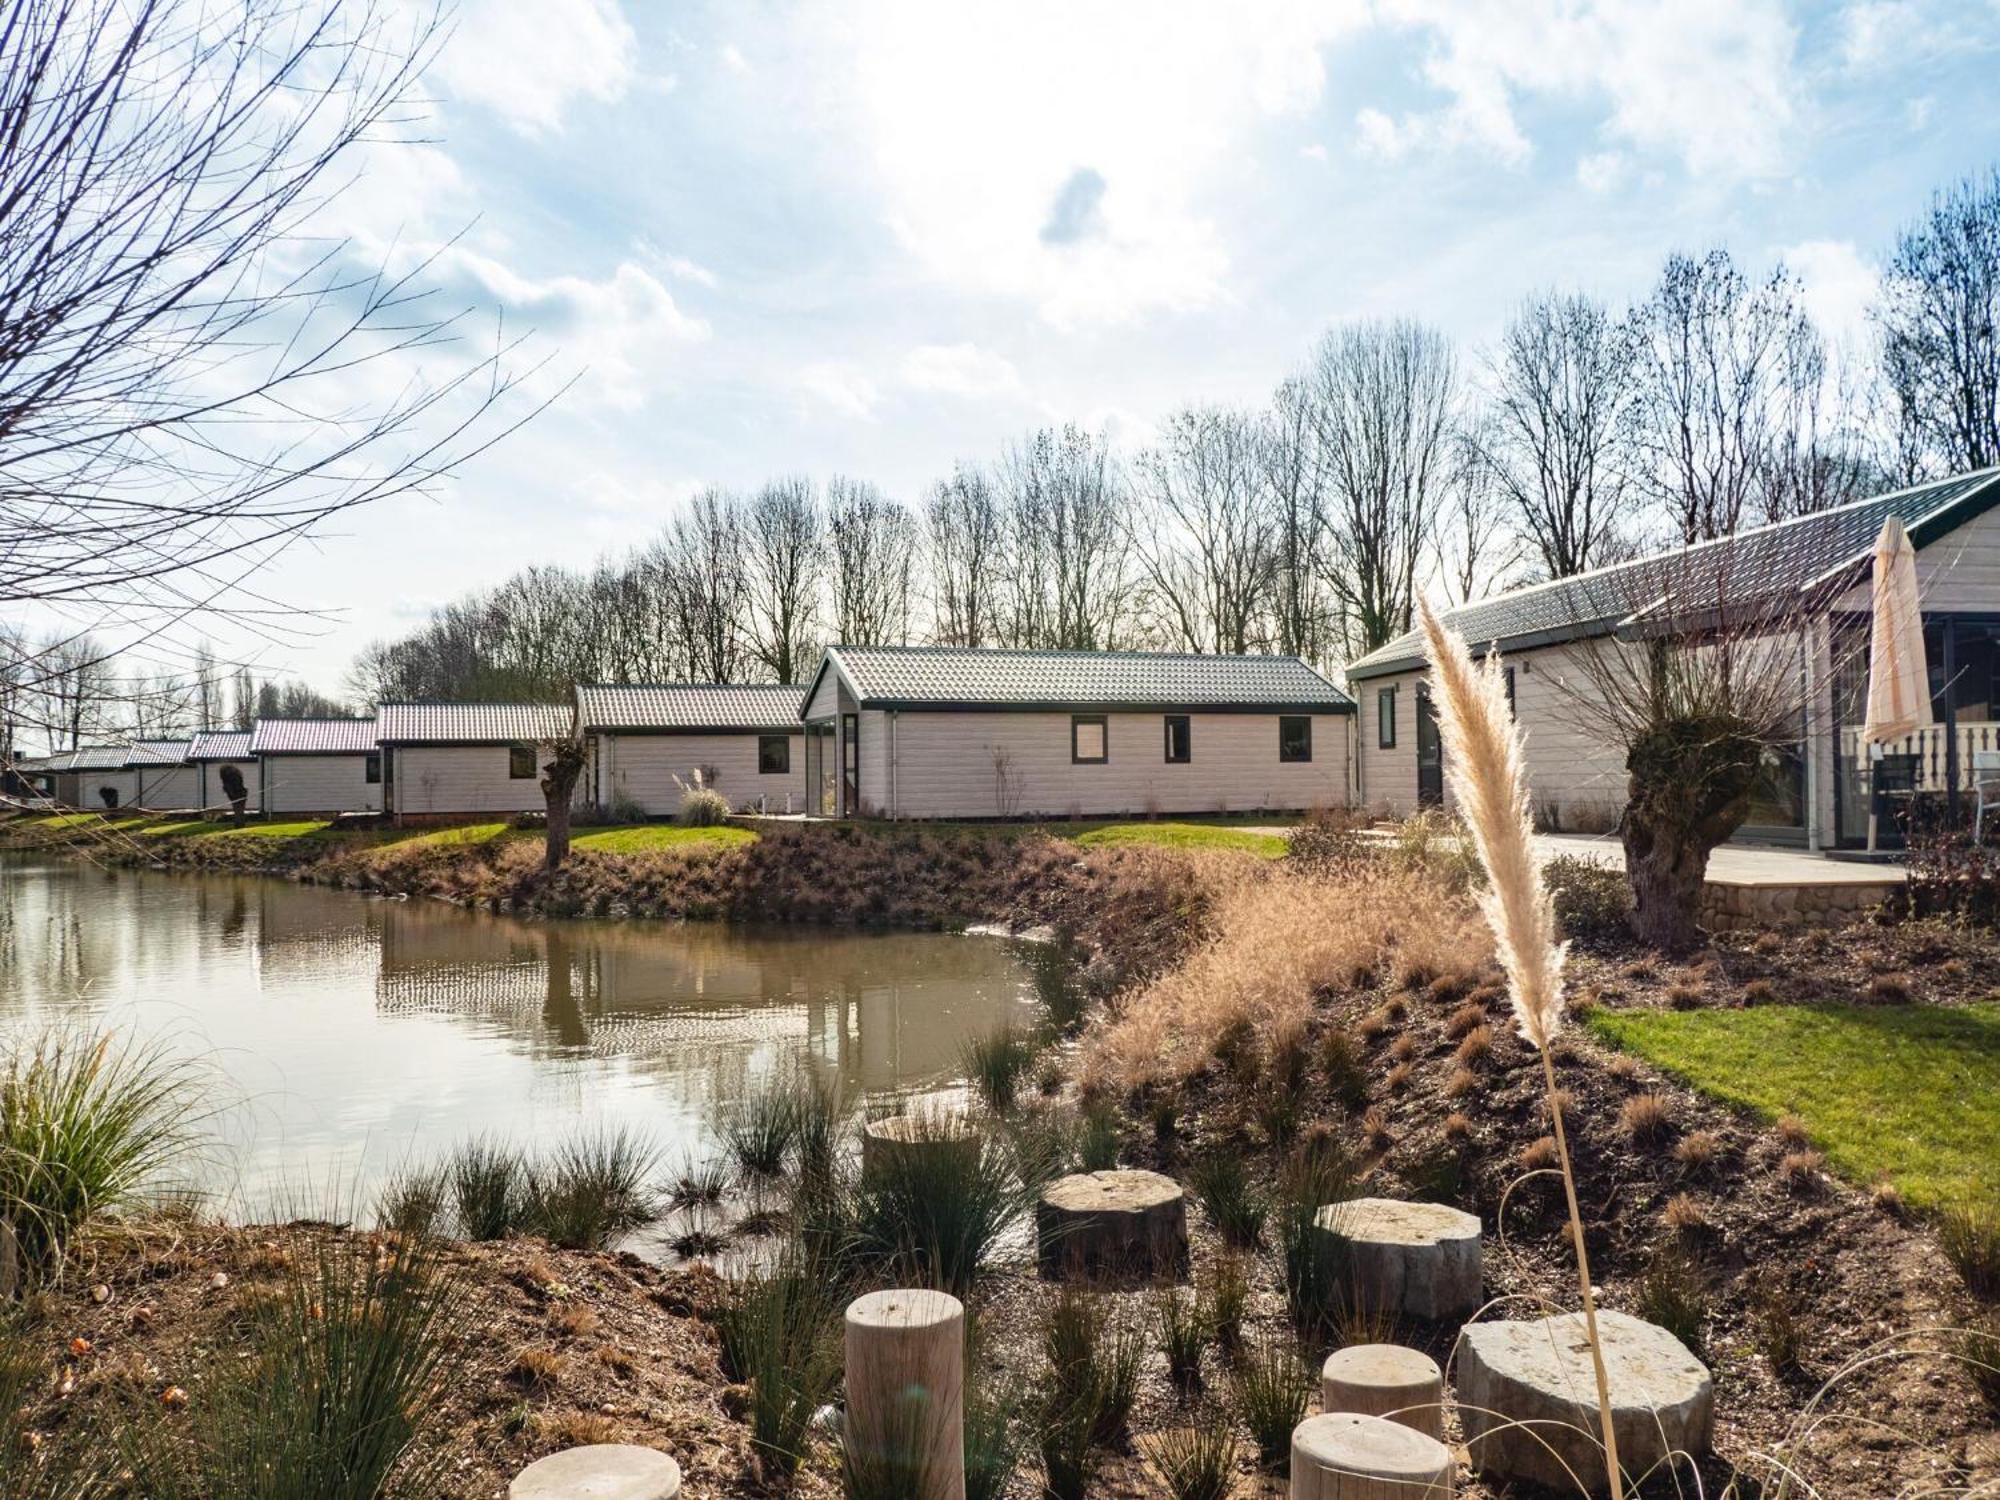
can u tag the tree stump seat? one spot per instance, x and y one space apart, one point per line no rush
1126 1222
1420 1259
1527 1397
1353 1456
599 1471
1385 1380
898 1139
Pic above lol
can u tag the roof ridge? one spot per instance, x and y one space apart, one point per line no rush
1089 652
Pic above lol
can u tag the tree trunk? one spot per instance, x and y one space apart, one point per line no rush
559 779
1665 868
1691 780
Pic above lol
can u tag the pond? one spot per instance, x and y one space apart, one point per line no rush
347 1036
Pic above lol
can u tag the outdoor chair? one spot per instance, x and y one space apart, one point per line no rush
1985 786
1893 787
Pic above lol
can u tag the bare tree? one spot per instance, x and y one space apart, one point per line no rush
1065 501
967 535
1201 530
1940 320
1561 386
243 700
70 677
207 688
1303 612
1724 367
871 542
1385 397
1478 551
705 565
786 558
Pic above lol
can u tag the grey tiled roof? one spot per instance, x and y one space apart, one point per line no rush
689 706
471 723
948 675
221 744
159 753
97 758
312 736
1765 565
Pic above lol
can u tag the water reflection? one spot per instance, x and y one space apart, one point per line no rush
351 1033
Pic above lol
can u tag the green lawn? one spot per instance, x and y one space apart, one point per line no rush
639 838
462 833
1908 1091
1180 836
260 830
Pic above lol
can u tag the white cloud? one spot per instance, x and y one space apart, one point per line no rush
1159 103
1917 113
734 60
678 266
960 370
842 386
1708 81
527 59
1840 286
1602 171
1314 152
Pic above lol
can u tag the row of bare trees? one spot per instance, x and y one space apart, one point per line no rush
1387 465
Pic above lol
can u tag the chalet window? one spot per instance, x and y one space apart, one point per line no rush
1508 674
371 768
521 762
1180 740
774 755
1088 739
1295 737
1385 718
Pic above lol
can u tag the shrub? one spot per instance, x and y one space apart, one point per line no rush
1319 1175
1969 1234
778 1333
1646 1118
1227 1295
350 1354
1698 1150
1592 900
762 1129
1272 1387
1094 1359
1194 1463
702 806
992 1437
1978 1347
590 1189
1184 1335
996 1064
933 1215
488 1183
1221 1184
1671 1294
87 1127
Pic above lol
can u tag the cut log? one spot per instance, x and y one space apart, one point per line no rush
1419 1259
1119 1223
1348 1456
1527 1398
1385 1380
906 1390
599 1471
905 1137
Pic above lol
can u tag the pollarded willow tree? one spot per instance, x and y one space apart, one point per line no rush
192 375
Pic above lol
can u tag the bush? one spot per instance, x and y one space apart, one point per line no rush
87 1127
1592 901
932 1216
351 1356
1672 1296
996 1065
1272 1388
1184 1336
1195 1463
1221 1184
591 1189
703 807
1094 1361
1316 1280
779 1335
1970 1237
489 1185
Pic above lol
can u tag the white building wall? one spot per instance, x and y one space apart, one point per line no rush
212 794
468 779
1958 571
170 787
641 768
319 784
91 784
942 765
1388 777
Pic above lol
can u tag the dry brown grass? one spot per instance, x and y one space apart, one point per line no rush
1767 943
1399 1077
575 1322
1475 1047
1278 940
1646 1118
1403 1049
1698 1150
1466 1018
1684 996
1456 1127
1801 1169
1462 1082
1539 1154
1760 992
1792 1131
537 1369
1684 1214
1623 1066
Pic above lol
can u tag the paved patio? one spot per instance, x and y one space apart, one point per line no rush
1741 864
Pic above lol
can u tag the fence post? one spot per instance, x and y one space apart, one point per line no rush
906 1386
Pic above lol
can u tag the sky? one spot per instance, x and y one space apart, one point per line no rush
875 237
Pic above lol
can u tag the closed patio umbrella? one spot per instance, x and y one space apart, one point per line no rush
1899 695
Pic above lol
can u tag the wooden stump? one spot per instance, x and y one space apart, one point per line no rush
1417 1258
905 1137
1348 1456
1385 1380
1527 1398
1119 1223
906 1388
599 1471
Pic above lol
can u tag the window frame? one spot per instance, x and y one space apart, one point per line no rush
1103 723
1186 722
1385 718
783 743
1284 756
1507 676
515 774
371 768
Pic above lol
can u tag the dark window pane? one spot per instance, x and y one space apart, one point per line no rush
774 754
1295 738
521 762
372 768
1180 740
1385 719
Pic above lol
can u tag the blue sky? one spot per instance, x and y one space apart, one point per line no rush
877 237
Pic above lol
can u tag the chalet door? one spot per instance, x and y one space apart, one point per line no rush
1430 754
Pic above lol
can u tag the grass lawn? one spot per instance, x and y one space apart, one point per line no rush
639 838
1910 1091
259 830
1180 836
463 833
